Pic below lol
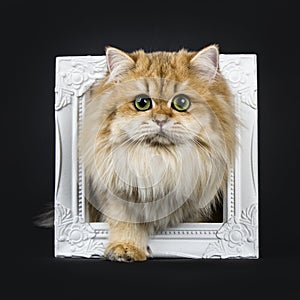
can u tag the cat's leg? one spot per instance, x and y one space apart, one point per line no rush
127 241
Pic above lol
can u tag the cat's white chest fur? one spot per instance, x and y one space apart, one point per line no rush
158 172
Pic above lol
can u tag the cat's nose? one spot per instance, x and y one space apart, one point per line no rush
160 121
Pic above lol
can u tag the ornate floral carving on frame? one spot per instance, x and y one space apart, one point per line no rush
74 235
237 237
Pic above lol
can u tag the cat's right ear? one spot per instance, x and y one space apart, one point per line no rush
206 62
118 63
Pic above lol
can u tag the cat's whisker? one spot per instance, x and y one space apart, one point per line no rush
214 168
130 141
219 148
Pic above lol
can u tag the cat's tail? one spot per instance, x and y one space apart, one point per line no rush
45 219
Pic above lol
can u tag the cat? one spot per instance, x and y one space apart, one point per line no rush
157 142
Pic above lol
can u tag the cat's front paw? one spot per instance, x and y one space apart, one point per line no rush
124 252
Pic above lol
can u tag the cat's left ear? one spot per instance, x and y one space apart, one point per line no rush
118 63
206 62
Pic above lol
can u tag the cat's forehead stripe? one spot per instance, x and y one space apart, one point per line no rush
146 85
162 83
162 88
175 88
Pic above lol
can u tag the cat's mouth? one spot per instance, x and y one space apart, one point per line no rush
159 139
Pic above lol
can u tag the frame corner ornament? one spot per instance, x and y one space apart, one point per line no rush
75 75
75 236
237 237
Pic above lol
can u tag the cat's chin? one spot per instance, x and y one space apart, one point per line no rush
159 139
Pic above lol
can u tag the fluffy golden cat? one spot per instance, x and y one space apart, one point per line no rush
157 142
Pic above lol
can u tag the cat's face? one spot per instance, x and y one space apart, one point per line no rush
164 99
160 112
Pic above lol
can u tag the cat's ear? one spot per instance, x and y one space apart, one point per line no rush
206 62
118 63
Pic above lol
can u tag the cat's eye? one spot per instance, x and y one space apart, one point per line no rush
142 102
181 103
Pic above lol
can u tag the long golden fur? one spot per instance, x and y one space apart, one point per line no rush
147 170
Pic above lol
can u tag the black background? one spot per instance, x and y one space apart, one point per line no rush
37 32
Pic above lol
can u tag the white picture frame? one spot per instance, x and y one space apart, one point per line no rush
237 237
